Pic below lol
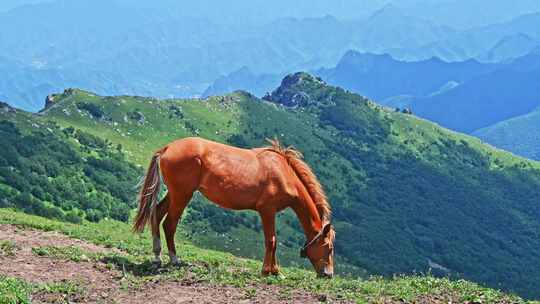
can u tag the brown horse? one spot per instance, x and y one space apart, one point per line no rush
267 180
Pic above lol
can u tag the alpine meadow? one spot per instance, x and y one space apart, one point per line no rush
402 189
402 150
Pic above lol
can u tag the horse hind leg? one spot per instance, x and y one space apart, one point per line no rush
178 202
161 211
181 172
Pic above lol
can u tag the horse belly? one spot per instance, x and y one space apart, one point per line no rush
228 199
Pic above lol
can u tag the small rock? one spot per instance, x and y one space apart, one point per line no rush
322 298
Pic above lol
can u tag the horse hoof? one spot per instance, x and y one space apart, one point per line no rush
266 273
177 263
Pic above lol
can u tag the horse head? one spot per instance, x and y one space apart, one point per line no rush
320 251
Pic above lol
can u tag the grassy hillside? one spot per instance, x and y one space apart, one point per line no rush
407 195
65 173
520 135
213 268
60 173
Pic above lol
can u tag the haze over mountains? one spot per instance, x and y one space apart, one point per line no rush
442 58
167 48
464 96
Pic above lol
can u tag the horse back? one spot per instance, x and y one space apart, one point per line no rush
231 177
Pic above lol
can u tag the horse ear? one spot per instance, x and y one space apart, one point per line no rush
327 227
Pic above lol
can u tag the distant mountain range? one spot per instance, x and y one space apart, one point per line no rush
479 42
243 79
492 101
483 101
169 50
509 47
469 14
489 100
381 77
464 96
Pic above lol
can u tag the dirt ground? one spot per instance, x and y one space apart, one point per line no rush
104 285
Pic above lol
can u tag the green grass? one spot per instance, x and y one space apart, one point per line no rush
226 269
72 253
211 119
66 288
7 247
14 291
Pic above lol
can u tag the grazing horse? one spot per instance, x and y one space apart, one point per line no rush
266 180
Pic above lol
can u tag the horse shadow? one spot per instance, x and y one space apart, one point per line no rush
146 268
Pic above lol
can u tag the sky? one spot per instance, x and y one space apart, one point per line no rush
459 14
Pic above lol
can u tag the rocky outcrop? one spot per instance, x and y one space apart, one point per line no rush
49 101
6 108
136 116
293 91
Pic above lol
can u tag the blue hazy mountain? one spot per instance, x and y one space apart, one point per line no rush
510 47
464 96
483 101
392 28
6 5
510 91
469 14
168 48
381 77
152 52
244 79
477 42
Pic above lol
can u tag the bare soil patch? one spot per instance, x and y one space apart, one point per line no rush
100 284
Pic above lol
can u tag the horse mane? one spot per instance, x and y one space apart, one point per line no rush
307 177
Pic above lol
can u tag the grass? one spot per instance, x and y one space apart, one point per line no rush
225 269
67 288
72 253
398 184
7 247
14 291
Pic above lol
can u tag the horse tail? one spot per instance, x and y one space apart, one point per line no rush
149 193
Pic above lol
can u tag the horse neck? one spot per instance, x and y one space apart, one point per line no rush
307 213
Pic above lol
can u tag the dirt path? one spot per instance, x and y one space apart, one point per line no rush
100 284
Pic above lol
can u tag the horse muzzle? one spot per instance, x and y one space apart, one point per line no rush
326 274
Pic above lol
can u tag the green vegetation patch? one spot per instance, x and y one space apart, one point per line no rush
8 247
14 291
406 193
221 268
72 253
66 288
62 173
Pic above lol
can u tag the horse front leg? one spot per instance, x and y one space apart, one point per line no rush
270 265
